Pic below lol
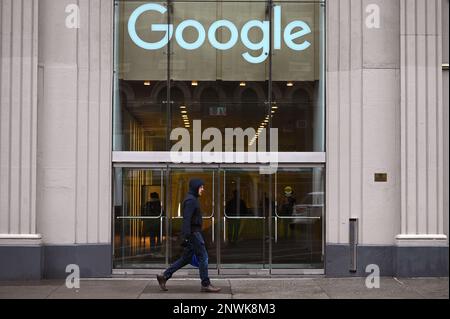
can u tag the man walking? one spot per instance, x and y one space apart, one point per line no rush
193 241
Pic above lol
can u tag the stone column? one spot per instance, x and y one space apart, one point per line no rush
20 251
422 139
75 132
363 132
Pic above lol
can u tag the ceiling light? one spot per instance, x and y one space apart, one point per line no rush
194 83
147 83
274 107
242 84
182 107
183 112
290 84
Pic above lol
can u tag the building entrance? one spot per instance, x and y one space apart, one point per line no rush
218 78
251 221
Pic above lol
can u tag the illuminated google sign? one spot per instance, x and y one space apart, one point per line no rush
289 35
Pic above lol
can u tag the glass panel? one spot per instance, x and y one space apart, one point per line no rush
224 87
179 187
139 235
220 87
298 220
220 71
298 78
140 103
244 239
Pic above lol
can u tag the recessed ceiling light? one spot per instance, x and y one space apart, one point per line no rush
289 84
194 83
147 83
242 84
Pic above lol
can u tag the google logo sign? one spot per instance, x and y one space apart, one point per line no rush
295 30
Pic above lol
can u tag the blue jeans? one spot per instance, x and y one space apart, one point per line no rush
196 246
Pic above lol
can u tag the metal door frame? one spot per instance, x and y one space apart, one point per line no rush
218 206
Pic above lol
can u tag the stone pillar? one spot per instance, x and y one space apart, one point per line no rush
422 141
75 132
363 132
20 251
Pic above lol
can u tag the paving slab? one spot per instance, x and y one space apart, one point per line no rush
277 289
232 288
185 289
102 289
27 292
429 288
355 288
47 282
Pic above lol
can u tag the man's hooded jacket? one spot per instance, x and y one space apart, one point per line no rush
192 216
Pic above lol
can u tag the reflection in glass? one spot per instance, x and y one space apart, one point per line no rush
245 238
139 236
298 217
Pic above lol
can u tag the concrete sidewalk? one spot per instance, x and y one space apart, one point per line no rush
232 288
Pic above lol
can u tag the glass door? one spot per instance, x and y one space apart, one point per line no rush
139 218
250 220
272 221
245 235
179 186
298 219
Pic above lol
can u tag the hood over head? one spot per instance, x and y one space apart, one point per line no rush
194 185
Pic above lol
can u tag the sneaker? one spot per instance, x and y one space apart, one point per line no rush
162 282
210 288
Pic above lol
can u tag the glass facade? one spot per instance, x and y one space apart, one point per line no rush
249 65
158 90
249 219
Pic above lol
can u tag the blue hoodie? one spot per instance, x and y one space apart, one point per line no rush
192 215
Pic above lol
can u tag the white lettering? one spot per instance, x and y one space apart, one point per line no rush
212 35
373 279
201 35
263 45
73 19
184 309
373 19
167 28
73 279
289 36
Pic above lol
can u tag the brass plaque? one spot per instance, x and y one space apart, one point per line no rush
381 177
